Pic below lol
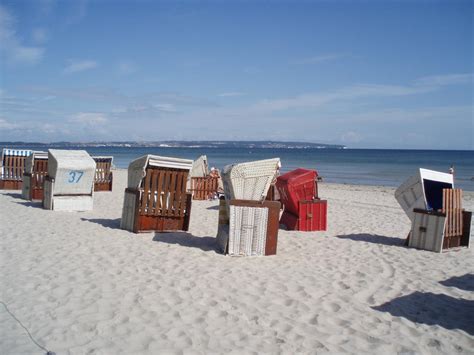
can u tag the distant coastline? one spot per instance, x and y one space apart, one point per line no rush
183 144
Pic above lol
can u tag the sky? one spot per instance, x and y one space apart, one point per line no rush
366 74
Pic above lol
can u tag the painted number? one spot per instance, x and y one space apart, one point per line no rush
75 176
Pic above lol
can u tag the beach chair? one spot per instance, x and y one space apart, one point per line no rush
103 174
36 169
434 208
13 166
156 197
201 185
69 185
303 210
248 224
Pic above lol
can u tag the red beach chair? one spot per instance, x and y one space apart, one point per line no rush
304 211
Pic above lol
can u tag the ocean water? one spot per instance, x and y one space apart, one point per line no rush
347 166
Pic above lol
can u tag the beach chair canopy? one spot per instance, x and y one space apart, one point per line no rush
200 167
13 163
251 180
72 170
295 186
137 168
30 160
424 190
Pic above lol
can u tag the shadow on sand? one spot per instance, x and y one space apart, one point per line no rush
104 222
433 309
215 208
464 282
13 194
187 240
374 238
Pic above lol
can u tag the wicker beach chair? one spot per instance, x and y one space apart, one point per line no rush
304 210
69 185
248 224
103 174
434 208
36 169
13 166
156 197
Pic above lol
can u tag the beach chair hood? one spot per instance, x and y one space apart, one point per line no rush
200 167
424 190
251 180
72 170
137 168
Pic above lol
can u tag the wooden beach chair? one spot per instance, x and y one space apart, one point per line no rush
201 184
248 224
13 166
103 173
36 169
156 197
303 209
69 185
435 210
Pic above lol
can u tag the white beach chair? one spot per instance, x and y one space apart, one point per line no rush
69 185
248 225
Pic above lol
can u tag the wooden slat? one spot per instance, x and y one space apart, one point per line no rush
452 207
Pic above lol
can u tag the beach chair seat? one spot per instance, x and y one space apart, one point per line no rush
248 223
156 197
36 169
103 173
12 168
303 210
69 184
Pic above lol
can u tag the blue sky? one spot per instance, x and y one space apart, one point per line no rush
367 74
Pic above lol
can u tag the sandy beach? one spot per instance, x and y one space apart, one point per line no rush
83 286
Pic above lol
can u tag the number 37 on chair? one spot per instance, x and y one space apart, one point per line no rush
74 176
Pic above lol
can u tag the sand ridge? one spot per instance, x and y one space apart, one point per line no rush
82 285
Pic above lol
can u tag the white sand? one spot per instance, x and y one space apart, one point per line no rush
81 285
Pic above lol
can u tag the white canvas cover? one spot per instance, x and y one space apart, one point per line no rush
73 171
251 180
137 168
423 190
30 160
200 167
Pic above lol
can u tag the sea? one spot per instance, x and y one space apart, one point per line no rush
378 167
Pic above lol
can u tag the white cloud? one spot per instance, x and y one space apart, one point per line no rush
11 45
76 66
312 100
231 94
448 79
4 124
89 118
